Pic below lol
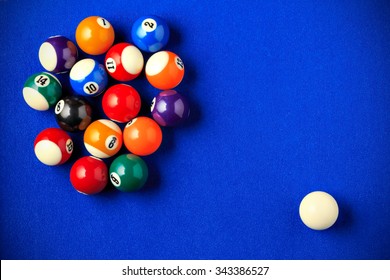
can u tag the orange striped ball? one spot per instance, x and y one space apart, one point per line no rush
103 138
164 70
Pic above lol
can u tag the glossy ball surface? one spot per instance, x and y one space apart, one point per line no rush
89 175
142 136
103 138
58 54
95 35
318 210
121 103
128 173
88 77
170 108
53 146
164 70
42 91
124 62
73 113
150 33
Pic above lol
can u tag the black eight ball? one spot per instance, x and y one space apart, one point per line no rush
73 113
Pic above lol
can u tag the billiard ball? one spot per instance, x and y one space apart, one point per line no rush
164 70
42 91
53 146
150 33
58 54
124 62
128 173
73 113
95 35
170 108
89 175
121 103
103 138
318 210
142 136
88 77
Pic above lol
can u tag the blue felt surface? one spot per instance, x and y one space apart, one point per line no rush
287 97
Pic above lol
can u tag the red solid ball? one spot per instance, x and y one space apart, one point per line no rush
121 103
89 175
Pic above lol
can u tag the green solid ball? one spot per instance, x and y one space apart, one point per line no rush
128 173
42 91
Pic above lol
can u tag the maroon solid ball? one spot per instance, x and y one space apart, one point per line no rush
121 103
89 175
170 108
58 54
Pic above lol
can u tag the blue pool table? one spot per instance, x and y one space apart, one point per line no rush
287 97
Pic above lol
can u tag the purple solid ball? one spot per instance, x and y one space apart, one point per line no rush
58 54
170 108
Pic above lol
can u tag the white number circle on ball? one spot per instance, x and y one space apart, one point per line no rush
42 81
115 179
60 106
153 104
149 25
131 122
91 88
179 63
103 22
69 146
110 65
111 142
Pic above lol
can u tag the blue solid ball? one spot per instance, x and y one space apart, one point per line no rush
150 33
88 77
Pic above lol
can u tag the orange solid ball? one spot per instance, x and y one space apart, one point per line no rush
95 35
142 136
164 70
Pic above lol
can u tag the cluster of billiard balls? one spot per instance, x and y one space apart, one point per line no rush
121 103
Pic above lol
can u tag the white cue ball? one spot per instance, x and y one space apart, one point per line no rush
318 210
